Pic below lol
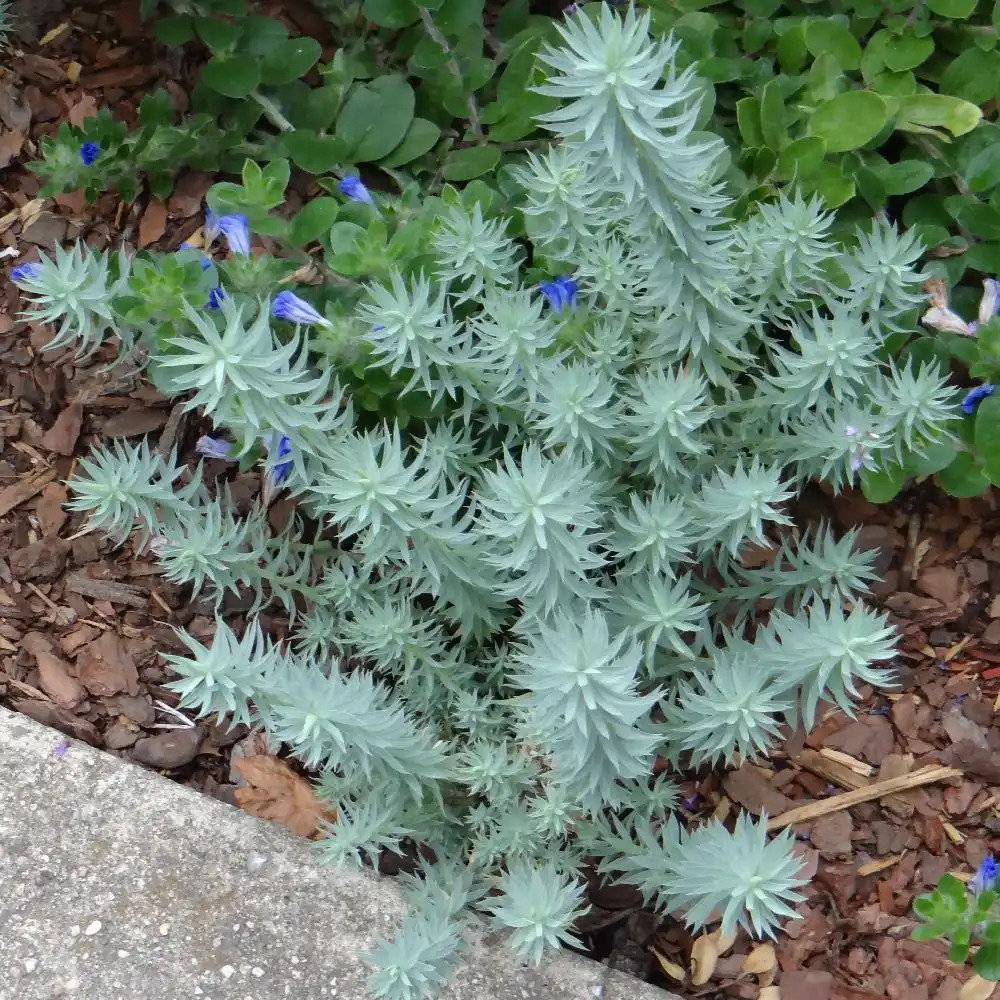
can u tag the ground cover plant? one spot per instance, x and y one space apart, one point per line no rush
526 471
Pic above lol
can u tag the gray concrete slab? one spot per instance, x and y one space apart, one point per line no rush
118 884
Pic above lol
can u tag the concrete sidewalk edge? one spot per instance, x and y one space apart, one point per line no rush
118 884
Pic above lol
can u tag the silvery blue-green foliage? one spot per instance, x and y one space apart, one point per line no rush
504 611
74 291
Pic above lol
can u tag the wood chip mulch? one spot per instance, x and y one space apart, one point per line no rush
83 624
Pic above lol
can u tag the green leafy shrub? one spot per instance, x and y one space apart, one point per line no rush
858 100
526 471
408 86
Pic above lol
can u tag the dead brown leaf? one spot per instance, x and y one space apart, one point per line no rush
761 961
50 509
806 984
831 835
754 792
84 108
133 422
277 793
62 436
154 223
56 681
672 969
10 145
105 667
977 988
704 958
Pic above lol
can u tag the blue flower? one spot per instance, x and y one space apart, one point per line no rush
560 293
236 229
211 447
986 877
25 272
989 304
280 470
976 396
211 227
288 306
355 190
215 297
89 152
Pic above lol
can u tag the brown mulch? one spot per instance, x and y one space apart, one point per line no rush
83 624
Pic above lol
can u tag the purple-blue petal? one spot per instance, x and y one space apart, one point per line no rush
354 189
975 396
89 152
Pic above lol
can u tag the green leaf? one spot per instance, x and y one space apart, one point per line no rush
391 13
927 932
314 219
982 221
905 176
748 119
953 888
316 154
988 437
289 60
986 961
973 76
906 51
801 158
928 112
420 138
883 484
219 36
924 907
964 478
261 35
952 8
983 170
958 952
932 460
376 118
984 257
474 161
174 30
827 36
238 76
791 49
849 120
772 117
832 185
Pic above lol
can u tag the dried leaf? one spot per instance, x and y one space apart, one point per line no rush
133 422
977 988
154 223
769 993
10 145
84 108
723 942
761 961
672 969
704 958
105 667
62 436
277 793
55 676
50 509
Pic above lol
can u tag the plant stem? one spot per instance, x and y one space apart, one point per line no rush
432 29
272 112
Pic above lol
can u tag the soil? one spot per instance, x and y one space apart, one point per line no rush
83 624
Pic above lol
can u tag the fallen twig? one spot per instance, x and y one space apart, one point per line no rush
876 790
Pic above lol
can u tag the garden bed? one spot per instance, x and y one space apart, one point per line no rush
83 624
